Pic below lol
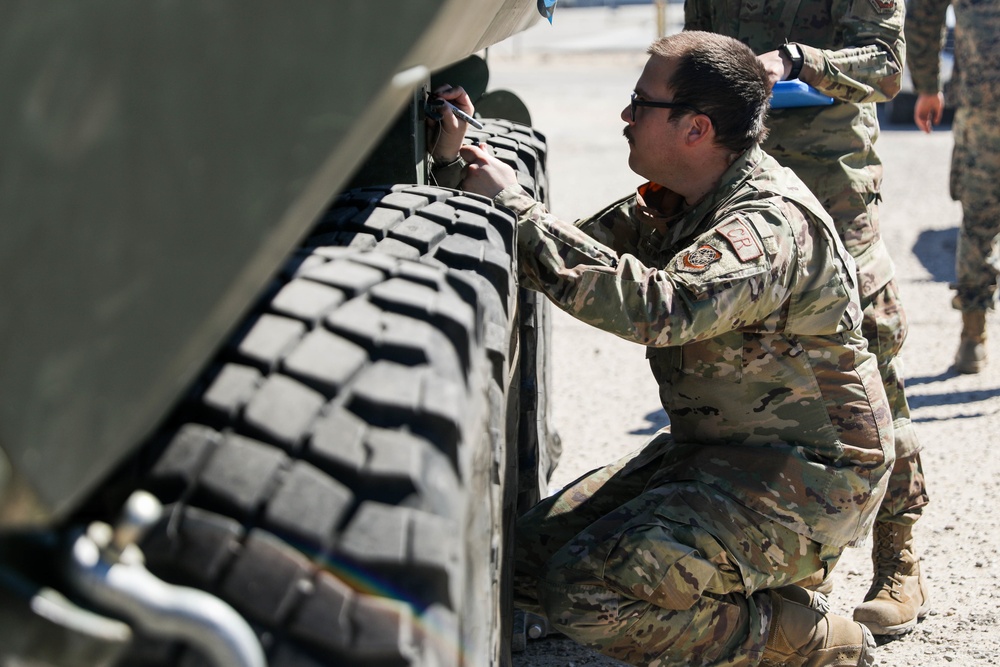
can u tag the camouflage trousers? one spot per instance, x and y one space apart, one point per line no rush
885 327
653 571
975 170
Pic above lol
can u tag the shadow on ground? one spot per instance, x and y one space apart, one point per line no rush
935 248
970 397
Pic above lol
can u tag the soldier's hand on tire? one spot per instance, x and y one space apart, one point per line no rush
446 131
485 174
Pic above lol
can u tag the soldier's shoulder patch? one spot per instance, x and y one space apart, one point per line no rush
884 6
699 259
742 238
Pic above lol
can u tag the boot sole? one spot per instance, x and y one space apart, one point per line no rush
836 656
895 630
868 657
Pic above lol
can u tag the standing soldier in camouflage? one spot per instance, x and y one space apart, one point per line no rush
851 50
730 272
975 161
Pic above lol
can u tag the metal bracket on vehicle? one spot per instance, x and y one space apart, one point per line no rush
40 626
106 566
527 626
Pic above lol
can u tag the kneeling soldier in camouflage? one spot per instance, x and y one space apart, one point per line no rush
731 274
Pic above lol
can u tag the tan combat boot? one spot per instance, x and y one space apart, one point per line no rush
971 357
898 596
807 597
802 637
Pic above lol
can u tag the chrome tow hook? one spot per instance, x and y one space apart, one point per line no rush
106 566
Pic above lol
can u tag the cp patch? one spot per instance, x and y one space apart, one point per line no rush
884 6
700 259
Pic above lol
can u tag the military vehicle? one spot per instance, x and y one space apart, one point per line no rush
269 395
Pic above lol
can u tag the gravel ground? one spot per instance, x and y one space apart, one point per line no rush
575 77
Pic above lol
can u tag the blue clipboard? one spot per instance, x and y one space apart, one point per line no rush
796 93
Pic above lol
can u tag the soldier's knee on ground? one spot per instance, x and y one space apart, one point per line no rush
585 613
639 632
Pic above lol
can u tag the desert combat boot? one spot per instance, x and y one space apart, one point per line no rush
898 597
803 637
971 357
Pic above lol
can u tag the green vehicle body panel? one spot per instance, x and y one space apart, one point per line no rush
160 159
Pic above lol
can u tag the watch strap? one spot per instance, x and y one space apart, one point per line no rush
794 54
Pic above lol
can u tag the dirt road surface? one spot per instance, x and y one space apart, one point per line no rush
576 76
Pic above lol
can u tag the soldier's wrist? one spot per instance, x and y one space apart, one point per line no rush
813 62
515 198
793 52
447 173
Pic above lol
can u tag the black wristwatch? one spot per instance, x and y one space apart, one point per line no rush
794 54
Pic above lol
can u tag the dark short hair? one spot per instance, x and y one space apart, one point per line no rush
721 77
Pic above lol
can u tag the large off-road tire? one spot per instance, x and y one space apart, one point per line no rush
520 146
347 472
345 476
525 149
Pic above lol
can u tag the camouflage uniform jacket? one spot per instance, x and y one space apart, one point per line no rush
854 52
977 49
749 309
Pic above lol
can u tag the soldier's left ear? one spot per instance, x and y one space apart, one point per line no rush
699 128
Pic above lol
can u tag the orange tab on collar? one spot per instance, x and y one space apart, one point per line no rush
744 241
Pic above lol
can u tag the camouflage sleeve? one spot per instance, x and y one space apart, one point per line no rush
724 280
613 226
868 66
925 20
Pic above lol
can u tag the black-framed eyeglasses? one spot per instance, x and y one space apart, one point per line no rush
636 102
